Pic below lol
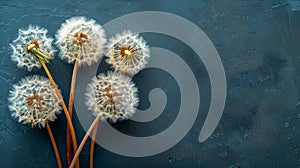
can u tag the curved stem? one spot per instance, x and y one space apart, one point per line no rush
56 152
69 121
93 146
71 97
95 122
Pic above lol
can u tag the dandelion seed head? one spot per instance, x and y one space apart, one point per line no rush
128 53
82 40
33 101
34 36
112 96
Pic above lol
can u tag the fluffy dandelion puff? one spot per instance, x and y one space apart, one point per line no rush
81 39
112 96
33 100
128 53
36 36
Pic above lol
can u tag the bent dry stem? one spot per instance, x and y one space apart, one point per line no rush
33 47
71 99
69 121
56 152
93 146
95 123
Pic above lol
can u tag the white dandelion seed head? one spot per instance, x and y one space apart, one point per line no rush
112 96
33 100
82 40
128 53
32 34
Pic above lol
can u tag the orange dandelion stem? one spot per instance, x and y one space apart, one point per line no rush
93 146
71 100
69 121
95 123
56 152
33 47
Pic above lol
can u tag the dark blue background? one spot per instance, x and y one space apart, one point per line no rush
259 45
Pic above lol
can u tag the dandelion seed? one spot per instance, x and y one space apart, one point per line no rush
33 39
33 101
113 97
81 39
128 53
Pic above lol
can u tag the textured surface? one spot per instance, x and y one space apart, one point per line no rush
258 42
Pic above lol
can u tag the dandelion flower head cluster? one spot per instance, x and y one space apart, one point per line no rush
128 53
82 40
33 100
112 96
33 36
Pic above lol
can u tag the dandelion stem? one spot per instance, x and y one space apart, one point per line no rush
93 146
56 152
69 121
95 123
71 97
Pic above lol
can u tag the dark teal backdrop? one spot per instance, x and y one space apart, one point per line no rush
258 42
